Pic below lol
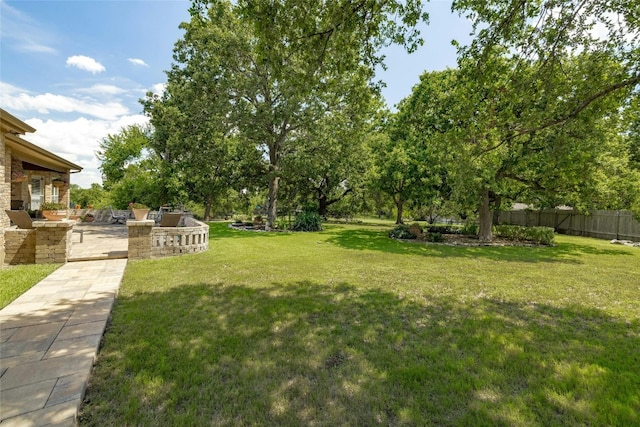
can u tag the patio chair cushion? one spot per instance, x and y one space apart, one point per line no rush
21 219
170 219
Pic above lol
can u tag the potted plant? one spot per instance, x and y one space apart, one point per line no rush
53 211
58 182
89 217
140 211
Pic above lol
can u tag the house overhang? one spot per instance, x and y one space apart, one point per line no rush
39 157
13 125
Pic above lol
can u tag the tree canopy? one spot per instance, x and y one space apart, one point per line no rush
284 66
276 100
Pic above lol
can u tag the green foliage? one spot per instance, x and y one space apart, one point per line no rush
94 196
518 120
433 237
52 206
277 73
401 231
307 220
118 151
539 235
138 184
283 224
136 205
470 229
444 229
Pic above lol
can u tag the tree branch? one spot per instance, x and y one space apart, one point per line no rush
634 80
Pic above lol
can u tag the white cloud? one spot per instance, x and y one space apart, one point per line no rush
78 140
136 61
22 32
158 88
16 99
102 89
85 63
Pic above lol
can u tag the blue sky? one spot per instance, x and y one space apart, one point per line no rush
75 70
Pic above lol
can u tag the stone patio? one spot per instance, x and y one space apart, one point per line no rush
91 241
49 336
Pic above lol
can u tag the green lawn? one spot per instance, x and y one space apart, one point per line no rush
347 327
16 280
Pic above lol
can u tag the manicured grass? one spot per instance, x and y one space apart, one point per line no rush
348 327
16 280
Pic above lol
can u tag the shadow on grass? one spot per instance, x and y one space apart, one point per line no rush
378 240
304 353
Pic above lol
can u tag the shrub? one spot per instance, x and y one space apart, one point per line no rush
470 229
307 221
444 229
282 224
52 206
433 237
415 229
401 231
133 205
539 235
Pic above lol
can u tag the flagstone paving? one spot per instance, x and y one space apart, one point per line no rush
49 338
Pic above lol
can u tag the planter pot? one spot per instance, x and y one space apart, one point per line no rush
140 214
54 215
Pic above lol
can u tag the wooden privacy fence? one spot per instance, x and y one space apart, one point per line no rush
619 225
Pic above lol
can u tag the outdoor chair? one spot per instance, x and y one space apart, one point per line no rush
117 218
21 219
170 219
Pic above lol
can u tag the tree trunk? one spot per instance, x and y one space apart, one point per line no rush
272 203
207 208
496 208
274 182
322 204
486 219
399 206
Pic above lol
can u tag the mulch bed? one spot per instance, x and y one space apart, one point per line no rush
461 240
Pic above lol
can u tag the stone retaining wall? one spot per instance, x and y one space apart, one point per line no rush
48 242
169 241
53 241
20 246
147 241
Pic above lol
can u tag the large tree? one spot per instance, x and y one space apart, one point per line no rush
328 161
130 167
538 80
288 63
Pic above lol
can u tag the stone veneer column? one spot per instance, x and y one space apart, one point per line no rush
5 194
140 238
53 241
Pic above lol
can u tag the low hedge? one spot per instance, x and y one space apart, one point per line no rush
402 232
539 235
444 229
